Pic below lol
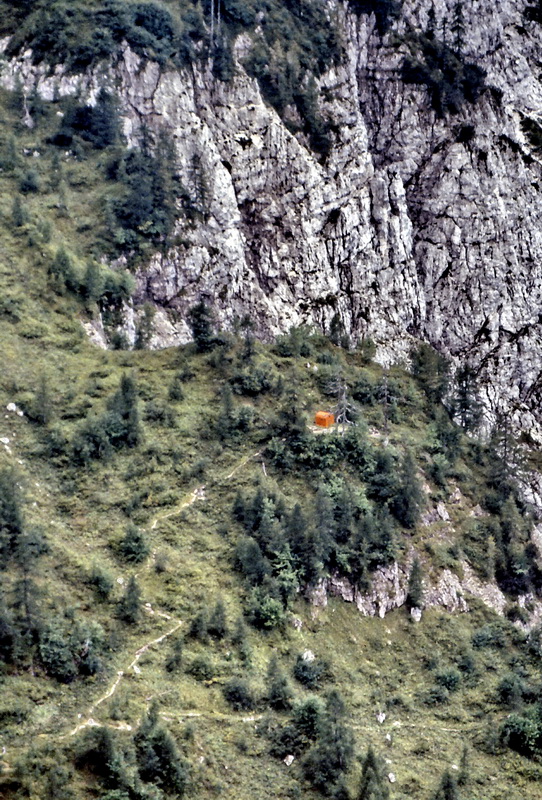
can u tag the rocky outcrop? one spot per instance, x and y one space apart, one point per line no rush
416 224
389 586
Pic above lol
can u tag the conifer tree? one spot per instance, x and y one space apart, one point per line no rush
129 607
201 323
175 658
448 789
414 598
295 531
332 755
408 499
466 405
134 546
373 784
18 212
279 693
217 625
11 514
432 372
158 756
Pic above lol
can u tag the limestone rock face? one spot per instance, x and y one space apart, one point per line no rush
416 224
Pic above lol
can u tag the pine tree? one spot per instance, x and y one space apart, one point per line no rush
414 598
134 546
466 405
62 271
332 755
93 283
448 789
199 627
200 320
432 372
217 625
125 425
407 502
175 658
129 607
158 756
464 767
42 404
373 784
11 515
18 213
279 693
295 531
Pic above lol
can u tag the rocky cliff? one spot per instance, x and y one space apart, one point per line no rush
422 220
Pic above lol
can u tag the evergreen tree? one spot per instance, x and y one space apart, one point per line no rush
414 598
448 789
200 320
124 425
373 784
217 625
93 283
62 271
41 410
332 755
432 372
295 531
383 479
134 546
18 213
175 658
11 514
380 536
466 405
199 627
129 607
464 767
158 756
279 693
344 516
407 502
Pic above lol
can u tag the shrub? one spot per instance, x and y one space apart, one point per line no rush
266 612
449 679
252 381
201 668
102 582
490 635
134 547
312 674
522 733
450 80
435 696
30 182
239 695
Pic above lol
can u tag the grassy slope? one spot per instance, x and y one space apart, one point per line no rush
376 664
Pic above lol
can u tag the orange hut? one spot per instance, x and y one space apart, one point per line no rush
324 419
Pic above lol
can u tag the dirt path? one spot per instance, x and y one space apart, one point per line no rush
132 666
197 494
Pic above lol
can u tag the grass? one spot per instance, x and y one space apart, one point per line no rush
387 666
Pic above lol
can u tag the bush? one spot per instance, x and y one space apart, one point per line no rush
435 696
251 382
490 635
201 668
523 734
30 182
266 612
449 679
239 695
312 674
134 546
102 582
